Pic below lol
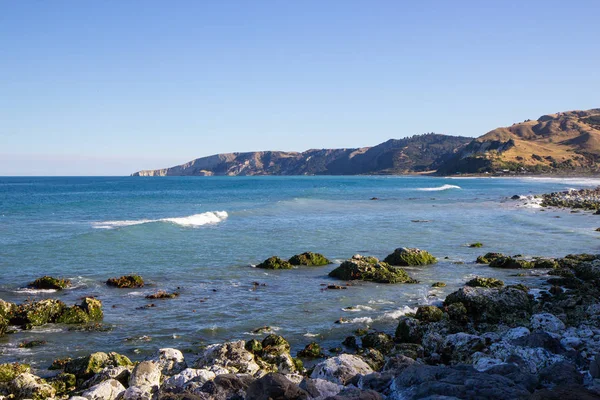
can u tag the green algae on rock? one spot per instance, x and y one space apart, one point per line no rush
10 371
429 314
488 258
476 244
438 284
404 256
309 258
485 282
48 282
312 350
511 263
126 281
30 314
162 294
87 366
370 269
274 263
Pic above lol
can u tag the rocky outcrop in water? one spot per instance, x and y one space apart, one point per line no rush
370 269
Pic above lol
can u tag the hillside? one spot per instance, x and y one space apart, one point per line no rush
415 154
561 142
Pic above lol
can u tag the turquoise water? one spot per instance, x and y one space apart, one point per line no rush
202 235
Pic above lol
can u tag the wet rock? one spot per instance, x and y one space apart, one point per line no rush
341 369
462 382
588 271
48 282
398 363
89 310
312 350
309 258
492 305
488 258
373 357
485 282
170 361
411 350
438 284
356 394
547 322
231 355
85 367
515 374
542 340
350 342
120 374
276 351
595 367
409 330
476 245
275 386
161 295
429 314
404 256
274 263
511 263
379 341
30 314
126 281
562 373
227 386
565 393
107 390
320 389
370 269
459 347
28 386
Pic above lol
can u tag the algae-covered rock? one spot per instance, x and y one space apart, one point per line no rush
438 284
488 258
492 305
476 245
588 270
511 263
404 256
90 309
312 350
9 371
546 263
379 341
30 314
85 367
276 352
253 346
370 269
274 263
485 282
429 314
48 282
28 386
126 281
93 308
309 258
63 383
409 330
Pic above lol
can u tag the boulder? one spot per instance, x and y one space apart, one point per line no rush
276 352
320 389
485 282
227 386
85 367
48 282
379 341
404 256
30 314
459 347
429 314
126 281
356 394
309 258
274 263
146 375
177 383
488 258
547 322
9 371
28 386
341 369
170 361
409 330
511 263
370 269
120 374
107 390
492 305
90 309
312 350
231 355
275 386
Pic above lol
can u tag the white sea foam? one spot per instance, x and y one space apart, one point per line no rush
210 217
357 308
361 320
380 302
34 291
398 313
308 334
569 181
439 188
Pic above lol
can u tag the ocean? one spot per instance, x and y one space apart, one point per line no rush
202 237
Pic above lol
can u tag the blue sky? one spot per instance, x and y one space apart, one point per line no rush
111 87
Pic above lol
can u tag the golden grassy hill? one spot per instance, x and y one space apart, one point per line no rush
566 141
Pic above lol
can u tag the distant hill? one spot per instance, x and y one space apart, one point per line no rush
561 142
410 155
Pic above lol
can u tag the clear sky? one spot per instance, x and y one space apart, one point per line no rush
111 87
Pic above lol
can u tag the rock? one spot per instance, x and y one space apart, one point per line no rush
588 271
457 312
341 369
410 256
540 339
398 363
565 393
28 386
177 383
485 282
356 394
438 284
144 380
63 383
459 347
85 367
464 382
429 314
511 263
411 350
488 258
595 367
561 374
120 374
231 355
126 281
312 350
138 393
309 258
373 357
516 333
320 389
532 358
370 269
476 245
492 305
227 386
547 322
409 330
107 390
90 309
515 374
350 342
161 295
545 263
48 282
30 314
274 263
276 351
275 386
379 341
9 371
170 361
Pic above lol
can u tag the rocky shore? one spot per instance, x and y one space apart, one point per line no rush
486 340
586 199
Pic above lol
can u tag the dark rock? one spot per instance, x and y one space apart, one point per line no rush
485 282
561 374
595 367
488 258
409 330
438 284
370 269
516 374
228 386
275 386
48 282
511 263
540 339
492 305
565 393
126 281
379 341
309 258
429 314
410 256
312 350
356 394
274 263
350 342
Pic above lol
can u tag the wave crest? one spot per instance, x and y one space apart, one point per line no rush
439 188
210 217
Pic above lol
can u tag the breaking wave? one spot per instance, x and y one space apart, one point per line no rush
439 188
210 217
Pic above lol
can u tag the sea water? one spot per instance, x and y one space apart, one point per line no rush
203 236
